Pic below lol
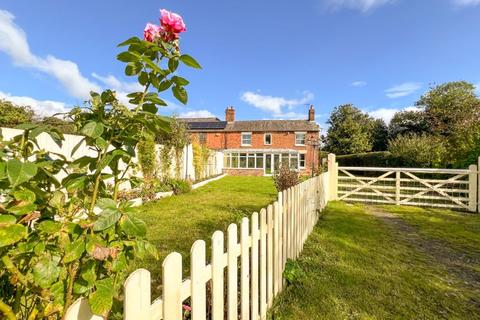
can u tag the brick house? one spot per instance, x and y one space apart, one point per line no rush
257 147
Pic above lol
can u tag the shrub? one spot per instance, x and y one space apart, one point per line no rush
285 177
367 159
180 186
293 272
147 156
423 151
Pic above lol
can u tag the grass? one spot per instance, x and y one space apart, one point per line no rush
460 230
174 223
358 268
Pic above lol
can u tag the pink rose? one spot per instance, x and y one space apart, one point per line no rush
187 308
151 32
172 22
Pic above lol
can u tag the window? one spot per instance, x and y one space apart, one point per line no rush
202 138
300 138
246 138
243 160
234 160
301 160
267 139
259 160
251 160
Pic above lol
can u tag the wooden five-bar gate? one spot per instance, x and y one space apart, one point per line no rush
439 188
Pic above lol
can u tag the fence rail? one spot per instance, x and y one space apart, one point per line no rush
438 188
254 261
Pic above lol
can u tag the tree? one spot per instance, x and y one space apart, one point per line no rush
423 151
452 111
64 126
407 122
379 135
12 115
350 131
450 106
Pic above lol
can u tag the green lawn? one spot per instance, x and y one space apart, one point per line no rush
368 263
174 223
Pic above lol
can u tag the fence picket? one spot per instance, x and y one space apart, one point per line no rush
269 255
137 296
472 196
263 264
217 275
254 279
283 241
276 249
197 277
172 286
232 296
80 310
245 270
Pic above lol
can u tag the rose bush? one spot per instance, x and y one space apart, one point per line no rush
70 238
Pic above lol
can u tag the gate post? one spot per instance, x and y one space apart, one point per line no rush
478 186
397 187
332 176
473 192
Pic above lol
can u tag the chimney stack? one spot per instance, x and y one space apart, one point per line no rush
311 113
230 114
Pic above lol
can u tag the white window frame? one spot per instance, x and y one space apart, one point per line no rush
300 144
241 139
265 139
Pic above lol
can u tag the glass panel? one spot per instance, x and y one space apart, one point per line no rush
251 160
276 162
259 161
268 164
302 160
294 163
243 160
299 138
285 157
246 138
268 138
234 160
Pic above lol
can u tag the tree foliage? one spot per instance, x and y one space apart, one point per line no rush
379 135
424 151
12 115
350 131
407 122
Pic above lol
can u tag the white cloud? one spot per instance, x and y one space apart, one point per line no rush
42 108
361 5
387 113
477 88
118 85
466 3
197 114
359 84
403 89
13 41
274 104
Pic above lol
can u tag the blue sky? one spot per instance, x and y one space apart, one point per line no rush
269 59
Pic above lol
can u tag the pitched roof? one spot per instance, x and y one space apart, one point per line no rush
188 120
272 125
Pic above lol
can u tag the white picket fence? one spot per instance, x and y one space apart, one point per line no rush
436 188
254 264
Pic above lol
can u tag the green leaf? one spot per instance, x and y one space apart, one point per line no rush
106 203
101 143
11 234
128 57
101 299
108 96
92 129
164 85
143 78
107 219
58 290
46 271
88 272
173 64
78 145
19 172
3 170
180 81
75 181
133 226
150 107
49 226
74 250
189 61
180 93
120 263
129 42
24 202
133 69
6 219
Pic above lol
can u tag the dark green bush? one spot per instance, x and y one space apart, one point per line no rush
368 159
180 186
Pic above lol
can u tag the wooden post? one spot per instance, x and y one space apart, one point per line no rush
473 192
270 255
331 176
478 186
263 264
397 187
254 288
